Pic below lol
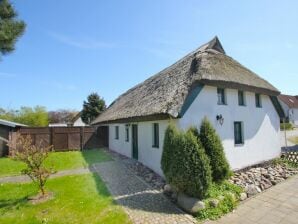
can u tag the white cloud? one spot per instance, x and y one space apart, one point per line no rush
83 43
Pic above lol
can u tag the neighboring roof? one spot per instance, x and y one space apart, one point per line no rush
290 101
164 93
76 117
11 123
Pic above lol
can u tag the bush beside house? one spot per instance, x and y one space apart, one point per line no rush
215 151
185 163
196 171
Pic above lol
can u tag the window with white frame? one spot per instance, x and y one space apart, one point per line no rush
241 98
221 96
258 100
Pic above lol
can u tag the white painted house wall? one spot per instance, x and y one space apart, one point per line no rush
261 125
291 113
261 129
147 155
79 123
295 116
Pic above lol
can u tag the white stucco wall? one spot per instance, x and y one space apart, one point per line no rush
291 113
293 116
261 129
147 155
261 125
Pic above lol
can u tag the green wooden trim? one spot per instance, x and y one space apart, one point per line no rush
277 106
190 98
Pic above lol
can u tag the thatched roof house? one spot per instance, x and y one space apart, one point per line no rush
164 94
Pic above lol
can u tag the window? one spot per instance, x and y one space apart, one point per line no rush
241 100
238 133
221 98
155 135
116 132
258 100
126 133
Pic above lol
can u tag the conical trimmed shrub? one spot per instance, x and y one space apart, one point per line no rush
215 151
185 164
168 149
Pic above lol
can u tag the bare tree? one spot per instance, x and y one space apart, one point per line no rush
33 156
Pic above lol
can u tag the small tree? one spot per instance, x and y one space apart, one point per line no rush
10 28
94 106
34 157
186 165
215 151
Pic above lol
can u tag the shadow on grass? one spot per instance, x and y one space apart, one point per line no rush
11 204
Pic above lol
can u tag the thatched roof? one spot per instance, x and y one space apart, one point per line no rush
291 101
164 93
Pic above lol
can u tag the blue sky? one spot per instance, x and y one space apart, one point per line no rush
72 48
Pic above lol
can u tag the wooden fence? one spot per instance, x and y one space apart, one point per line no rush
66 138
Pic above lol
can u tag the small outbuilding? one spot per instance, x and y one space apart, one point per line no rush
5 128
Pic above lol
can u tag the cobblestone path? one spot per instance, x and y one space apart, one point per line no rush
142 203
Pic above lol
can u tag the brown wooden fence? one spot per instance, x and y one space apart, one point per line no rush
66 138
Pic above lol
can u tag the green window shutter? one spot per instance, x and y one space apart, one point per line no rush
238 133
155 135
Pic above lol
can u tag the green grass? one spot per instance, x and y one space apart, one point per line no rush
294 139
230 196
57 160
77 199
285 162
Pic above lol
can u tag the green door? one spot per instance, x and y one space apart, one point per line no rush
135 141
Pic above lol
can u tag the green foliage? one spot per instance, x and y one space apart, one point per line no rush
168 147
10 28
94 106
195 132
286 126
218 189
225 206
285 162
228 202
184 163
215 151
35 117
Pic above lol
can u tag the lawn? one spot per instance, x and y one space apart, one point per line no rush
78 199
57 160
294 139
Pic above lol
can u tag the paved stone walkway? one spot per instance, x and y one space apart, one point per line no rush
24 178
277 205
142 203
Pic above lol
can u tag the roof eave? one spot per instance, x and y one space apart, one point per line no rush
154 117
234 85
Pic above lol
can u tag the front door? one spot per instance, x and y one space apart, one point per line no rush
135 141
